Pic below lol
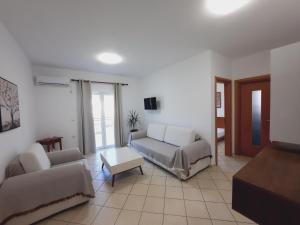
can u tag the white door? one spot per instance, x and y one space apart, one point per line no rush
103 114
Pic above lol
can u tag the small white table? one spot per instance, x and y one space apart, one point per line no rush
120 160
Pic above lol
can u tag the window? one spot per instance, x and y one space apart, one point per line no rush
256 118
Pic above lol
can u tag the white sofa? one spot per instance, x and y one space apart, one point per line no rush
174 148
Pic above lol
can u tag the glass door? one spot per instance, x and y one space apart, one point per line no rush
103 114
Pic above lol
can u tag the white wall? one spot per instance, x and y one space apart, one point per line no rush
285 94
15 67
57 106
252 65
186 93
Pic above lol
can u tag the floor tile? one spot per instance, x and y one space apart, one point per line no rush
83 214
173 182
206 184
134 202
174 220
158 180
106 187
122 187
100 198
154 205
174 207
196 209
139 189
192 194
174 192
198 221
107 216
223 184
220 222
143 179
116 200
218 175
151 219
215 179
211 196
97 184
156 191
128 218
203 175
219 211
227 195
191 183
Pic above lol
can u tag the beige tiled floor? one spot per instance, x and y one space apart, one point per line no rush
158 198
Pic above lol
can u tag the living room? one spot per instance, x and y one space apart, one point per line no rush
82 72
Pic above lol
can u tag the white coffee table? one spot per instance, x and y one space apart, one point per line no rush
120 160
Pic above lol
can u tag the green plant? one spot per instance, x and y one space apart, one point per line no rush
133 119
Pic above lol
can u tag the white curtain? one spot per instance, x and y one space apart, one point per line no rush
118 116
86 123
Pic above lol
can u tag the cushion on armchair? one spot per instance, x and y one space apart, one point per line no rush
35 159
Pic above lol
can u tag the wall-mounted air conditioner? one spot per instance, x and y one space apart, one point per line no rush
52 80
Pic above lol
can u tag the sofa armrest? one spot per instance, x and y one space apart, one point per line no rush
64 156
136 135
197 150
28 192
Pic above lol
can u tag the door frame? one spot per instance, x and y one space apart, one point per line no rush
228 116
237 87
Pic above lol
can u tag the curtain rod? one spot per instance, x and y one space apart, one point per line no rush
101 82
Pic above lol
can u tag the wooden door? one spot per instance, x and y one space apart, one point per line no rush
226 121
254 116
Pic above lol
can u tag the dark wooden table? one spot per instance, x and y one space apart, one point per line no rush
267 189
50 143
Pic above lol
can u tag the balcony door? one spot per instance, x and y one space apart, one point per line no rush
103 115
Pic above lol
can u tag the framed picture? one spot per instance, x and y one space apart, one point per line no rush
218 100
9 106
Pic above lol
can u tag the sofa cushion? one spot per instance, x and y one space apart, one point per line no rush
154 149
14 168
35 159
156 131
179 136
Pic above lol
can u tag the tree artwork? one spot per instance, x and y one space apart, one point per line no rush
9 106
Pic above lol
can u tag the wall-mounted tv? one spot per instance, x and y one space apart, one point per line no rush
150 103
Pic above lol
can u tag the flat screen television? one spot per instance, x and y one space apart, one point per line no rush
150 103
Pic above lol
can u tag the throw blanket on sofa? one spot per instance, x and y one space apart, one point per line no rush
191 154
178 159
24 194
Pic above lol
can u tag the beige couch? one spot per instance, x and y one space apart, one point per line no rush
38 185
176 149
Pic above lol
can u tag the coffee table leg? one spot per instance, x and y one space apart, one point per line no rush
102 166
141 170
113 181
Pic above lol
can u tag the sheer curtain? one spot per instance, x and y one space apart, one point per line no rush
86 123
118 116
104 114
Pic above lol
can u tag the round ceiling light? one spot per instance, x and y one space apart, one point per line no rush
109 58
223 7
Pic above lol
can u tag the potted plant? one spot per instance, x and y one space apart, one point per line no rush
133 119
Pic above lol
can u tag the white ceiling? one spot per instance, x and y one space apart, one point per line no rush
149 34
